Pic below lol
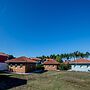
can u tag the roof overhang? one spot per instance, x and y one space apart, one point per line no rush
73 63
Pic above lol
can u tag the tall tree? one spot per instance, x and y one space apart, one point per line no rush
59 59
87 54
11 57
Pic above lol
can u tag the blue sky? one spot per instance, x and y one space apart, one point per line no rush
44 27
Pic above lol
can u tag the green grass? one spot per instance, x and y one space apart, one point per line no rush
53 80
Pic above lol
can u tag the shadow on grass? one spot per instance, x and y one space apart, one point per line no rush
7 82
40 71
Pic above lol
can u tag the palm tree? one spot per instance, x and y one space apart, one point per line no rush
87 54
11 57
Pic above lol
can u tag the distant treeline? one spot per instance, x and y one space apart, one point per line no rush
66 56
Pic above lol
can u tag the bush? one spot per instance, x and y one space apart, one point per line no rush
64 66
40 67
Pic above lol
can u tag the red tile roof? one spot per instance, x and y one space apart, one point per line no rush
49 59
66 62
51 62
80 61
3 57
3 54
36 59
22 59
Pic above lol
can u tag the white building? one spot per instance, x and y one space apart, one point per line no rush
3 66
80 65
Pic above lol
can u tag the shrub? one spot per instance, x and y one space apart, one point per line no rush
40 67
64 66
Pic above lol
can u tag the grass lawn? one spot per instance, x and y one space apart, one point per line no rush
53 80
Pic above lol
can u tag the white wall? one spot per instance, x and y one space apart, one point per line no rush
3 66
80 68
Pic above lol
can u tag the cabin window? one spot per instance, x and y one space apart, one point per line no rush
21 65
74 65
10 65
15 65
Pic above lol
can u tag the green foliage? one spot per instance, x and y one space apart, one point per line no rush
53 56
59 59
11 57
67 56
64 66
40 67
